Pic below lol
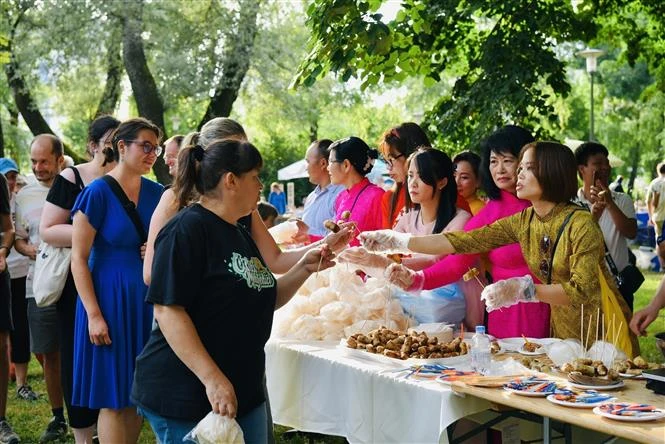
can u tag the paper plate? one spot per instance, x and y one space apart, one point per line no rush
618 384
515 344
539 351
528 393
658 414
578 405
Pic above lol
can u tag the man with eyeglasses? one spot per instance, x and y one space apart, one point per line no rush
46 155
171 149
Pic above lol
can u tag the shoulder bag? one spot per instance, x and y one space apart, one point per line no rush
52 267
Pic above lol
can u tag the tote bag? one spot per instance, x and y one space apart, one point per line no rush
50 273
616 323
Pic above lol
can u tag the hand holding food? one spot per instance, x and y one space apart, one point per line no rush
509 292
404 278
340 235
387 241
318 259
372 264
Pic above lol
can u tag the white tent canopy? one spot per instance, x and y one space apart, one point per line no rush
296 170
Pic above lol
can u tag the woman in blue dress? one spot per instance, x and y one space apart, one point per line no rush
112 320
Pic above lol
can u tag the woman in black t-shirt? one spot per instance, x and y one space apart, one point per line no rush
214 300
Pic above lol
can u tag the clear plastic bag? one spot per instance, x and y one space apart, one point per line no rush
216 429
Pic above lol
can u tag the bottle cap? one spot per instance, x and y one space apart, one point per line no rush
480 329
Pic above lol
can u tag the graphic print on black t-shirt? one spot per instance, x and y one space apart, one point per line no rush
252 271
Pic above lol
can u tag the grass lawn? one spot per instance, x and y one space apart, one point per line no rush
29 419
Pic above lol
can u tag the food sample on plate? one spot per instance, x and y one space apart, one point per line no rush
628 409
400 345
531 347
537 364
495 347
590 368
532 385
634 367
331 225
584 397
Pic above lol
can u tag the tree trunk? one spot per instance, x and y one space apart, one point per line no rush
634 165
235 62
27 106
313 131
112 89
2 141
144 88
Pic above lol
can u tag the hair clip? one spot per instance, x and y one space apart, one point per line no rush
198 152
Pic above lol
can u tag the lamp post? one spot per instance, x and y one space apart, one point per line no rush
591 56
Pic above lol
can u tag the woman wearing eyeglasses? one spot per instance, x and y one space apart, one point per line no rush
112 320
349 162
56 229
560 243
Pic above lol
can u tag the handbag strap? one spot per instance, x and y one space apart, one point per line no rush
608 256
128 206
556 242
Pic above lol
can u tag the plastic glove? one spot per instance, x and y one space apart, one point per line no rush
405 278
371 264
509 292
340 240
385 241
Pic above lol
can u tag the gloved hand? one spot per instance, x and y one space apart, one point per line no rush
372 264
340 240
405 278
509 292
385 241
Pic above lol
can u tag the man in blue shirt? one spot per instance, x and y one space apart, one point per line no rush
320 204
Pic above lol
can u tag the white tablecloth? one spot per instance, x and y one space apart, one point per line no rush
316 387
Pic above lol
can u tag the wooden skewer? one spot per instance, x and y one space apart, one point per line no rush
582 326
604 336
588 330
597 322
616 334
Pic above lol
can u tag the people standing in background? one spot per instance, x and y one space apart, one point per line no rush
7 435
113 321
656 209
349 162
396 145
617 185
46 155
467 177
433 191
56 230
268 214
320 203
499 175
277 198
18 270
613 210
171 148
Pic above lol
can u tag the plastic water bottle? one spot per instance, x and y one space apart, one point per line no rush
480 351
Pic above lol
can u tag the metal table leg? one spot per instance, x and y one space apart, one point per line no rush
546 430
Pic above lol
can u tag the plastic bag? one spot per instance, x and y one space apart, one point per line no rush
216 429
284 232
443 304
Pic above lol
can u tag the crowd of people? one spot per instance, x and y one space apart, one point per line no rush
176 287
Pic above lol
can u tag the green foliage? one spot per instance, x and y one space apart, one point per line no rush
501 54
